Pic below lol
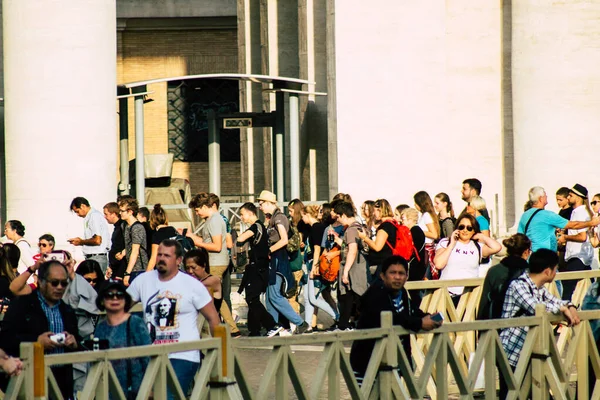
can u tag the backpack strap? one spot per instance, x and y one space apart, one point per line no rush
529 221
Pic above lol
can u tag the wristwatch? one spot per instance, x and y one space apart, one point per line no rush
32 272
127 274
571 305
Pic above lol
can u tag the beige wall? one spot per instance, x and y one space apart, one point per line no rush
144 55
418 98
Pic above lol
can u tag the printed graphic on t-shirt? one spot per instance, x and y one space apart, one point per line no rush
162 311
464 251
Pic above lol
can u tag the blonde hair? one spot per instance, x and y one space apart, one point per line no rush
312 210
478 203
411 214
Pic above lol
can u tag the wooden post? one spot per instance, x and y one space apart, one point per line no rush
390 357
539 386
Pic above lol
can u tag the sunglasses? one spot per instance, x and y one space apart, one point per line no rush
59 282
467 227
114 295
594 202
43 245
91 280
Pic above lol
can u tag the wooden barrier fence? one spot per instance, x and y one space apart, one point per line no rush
547 367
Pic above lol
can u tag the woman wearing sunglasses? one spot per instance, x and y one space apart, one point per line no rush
594 233
90 271
121 329
459 257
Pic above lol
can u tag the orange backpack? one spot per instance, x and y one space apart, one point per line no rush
329 270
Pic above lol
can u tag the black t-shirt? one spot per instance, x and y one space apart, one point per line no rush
166 232
377 257
304 229
566 213
417 266
315 236
259 243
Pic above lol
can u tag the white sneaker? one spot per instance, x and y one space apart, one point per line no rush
274 331
285 332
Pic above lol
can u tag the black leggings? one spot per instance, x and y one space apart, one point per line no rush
347 302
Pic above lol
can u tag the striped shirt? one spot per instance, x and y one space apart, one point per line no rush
55 321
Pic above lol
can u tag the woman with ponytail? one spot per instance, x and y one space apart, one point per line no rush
443 206
159 223
518 248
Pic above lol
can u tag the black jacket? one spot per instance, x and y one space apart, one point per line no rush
375 300
25 320
496 284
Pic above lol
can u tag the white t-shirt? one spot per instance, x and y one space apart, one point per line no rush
425 219
171 308
574 248
463 263
26 258
94 223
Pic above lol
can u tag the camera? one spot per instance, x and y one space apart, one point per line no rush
58 338
58 256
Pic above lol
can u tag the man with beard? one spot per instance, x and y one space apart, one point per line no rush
470 188
187 297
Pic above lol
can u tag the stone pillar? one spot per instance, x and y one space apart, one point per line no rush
60 89
556 95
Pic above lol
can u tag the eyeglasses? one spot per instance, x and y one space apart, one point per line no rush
91 280
59 282
594 202
114 295
467 227
43 245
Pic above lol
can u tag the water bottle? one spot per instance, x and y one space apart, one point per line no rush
96 346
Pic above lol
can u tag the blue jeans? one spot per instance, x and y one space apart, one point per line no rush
276 303
311 301
185 371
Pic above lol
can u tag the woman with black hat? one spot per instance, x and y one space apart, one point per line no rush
122 329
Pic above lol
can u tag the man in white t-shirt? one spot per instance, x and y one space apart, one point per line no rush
96 237
575 238
172 300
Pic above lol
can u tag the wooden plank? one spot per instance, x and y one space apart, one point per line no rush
17 387
504 368
52 387
456 365
93 378
348 375
441 372
554 382
297 384
486 343
149 376
114 387
434 350
373 367
270 371
201 388
281 375
241 380
318 381
333 377
583 359
490 369
406 370
160 380
173 382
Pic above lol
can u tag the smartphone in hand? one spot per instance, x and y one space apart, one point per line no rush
439 317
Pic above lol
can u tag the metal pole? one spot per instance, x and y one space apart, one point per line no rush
294 146
140 183
279 146
214 154
124 145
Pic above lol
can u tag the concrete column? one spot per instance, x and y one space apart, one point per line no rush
556 92
60 88
294 147
140 175
214 154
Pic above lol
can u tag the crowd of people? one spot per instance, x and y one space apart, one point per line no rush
346 261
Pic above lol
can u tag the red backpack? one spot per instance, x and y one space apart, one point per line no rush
404 246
